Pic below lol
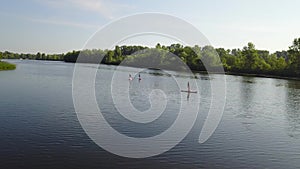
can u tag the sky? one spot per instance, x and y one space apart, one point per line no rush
59 26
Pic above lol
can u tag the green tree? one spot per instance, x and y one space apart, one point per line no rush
294 56
110 56
210 56
118 52
251 57
38 56
224 55
158 46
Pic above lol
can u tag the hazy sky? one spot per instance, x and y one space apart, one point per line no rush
55 26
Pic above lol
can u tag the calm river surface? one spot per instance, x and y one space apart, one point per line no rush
260 127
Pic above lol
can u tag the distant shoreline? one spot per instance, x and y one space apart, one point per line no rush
247 61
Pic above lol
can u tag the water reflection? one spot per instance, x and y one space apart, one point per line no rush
293 108
246 95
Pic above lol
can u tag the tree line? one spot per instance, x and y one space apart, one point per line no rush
37 56
246 60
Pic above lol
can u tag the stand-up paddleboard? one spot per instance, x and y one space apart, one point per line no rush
188 91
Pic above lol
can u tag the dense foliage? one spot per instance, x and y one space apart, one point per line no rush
245 60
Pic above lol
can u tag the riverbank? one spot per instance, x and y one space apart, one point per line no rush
203 72
6 66
263 75
252 75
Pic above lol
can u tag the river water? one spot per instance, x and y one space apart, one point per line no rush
39 128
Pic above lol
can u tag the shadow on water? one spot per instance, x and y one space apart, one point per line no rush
293 84
248 79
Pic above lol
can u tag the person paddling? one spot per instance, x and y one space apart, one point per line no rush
140 77
130 78
188 89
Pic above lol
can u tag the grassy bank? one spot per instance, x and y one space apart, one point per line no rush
6 66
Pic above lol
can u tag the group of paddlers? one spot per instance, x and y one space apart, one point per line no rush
188 84
131 78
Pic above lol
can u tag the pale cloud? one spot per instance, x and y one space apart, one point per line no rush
53 21
105 8
257 28
62 22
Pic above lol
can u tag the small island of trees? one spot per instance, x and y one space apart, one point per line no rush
6 65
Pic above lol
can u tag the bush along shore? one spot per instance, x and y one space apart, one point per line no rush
245 61
6 66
